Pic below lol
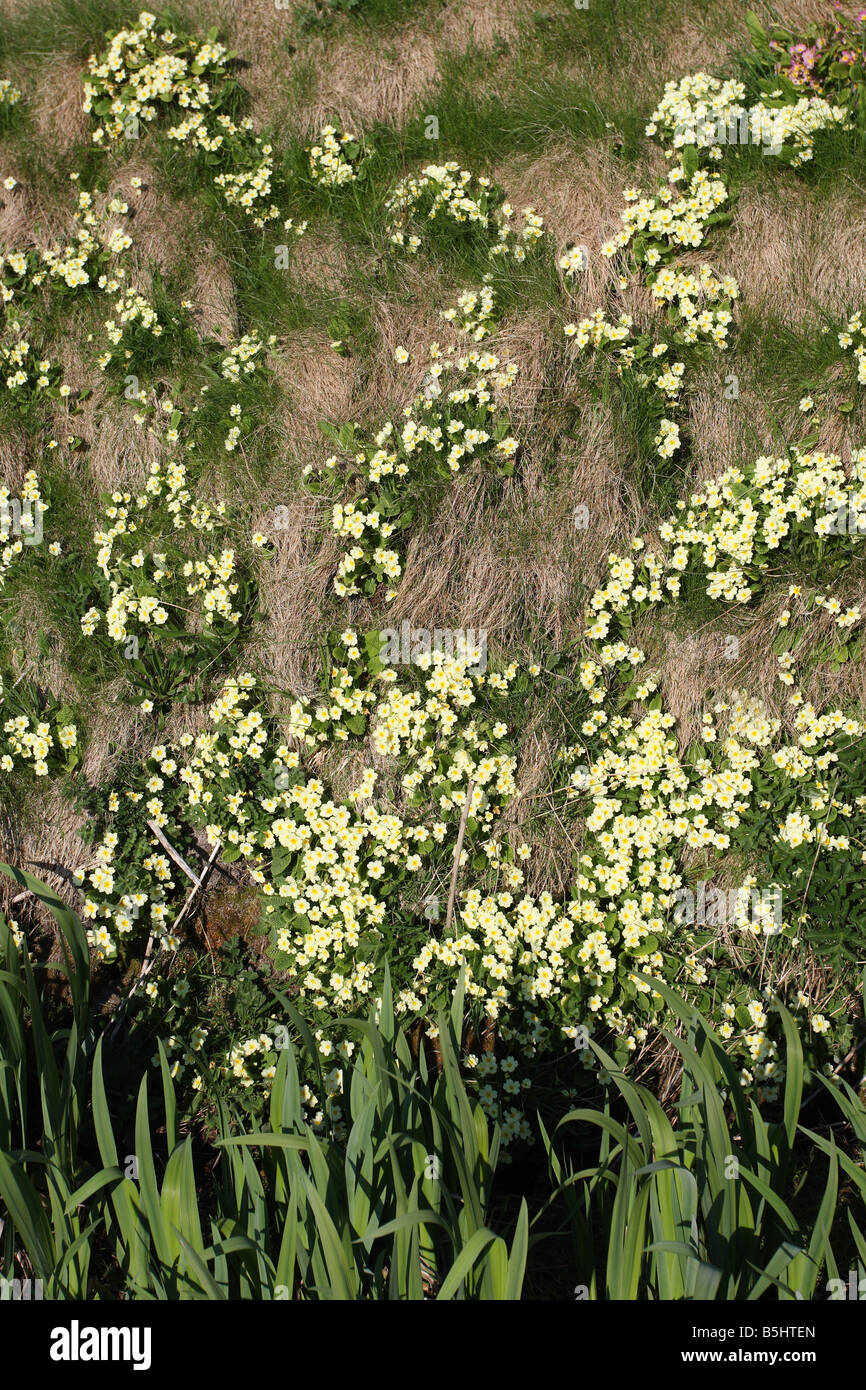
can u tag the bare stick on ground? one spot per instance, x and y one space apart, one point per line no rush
149 958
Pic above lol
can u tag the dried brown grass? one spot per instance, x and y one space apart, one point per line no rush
318 384
57 104
794 251
295 593
354 74
576 186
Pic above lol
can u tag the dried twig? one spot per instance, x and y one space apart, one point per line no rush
170 849
198 884
113 1029
149 958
